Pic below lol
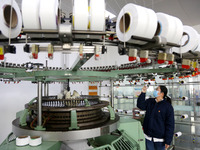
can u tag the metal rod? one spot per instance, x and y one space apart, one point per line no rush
58 48
193 53
100 85
151 40
196 135
194 105
39 115
188 116
45 89
26 38
172 90
39 31
143 39
73 31
91 32
112 93
192 123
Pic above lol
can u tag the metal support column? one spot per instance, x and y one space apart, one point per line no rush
111 93
194 103
46 89
173 91
100 85
74 122
39 107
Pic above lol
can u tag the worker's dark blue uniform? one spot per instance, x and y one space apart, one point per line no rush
159 118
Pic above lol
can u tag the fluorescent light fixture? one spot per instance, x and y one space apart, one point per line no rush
110 15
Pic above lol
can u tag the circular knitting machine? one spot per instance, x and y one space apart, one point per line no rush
67 119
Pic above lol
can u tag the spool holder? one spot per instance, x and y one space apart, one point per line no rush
104 49
27 48
10 49
122 50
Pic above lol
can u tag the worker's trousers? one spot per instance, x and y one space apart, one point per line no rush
150 145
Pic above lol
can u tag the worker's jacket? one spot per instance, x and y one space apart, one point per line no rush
159 118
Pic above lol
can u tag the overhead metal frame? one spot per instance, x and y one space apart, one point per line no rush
63 75
156 43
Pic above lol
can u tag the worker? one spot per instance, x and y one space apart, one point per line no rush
158 123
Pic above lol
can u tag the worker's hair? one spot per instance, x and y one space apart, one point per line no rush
164 90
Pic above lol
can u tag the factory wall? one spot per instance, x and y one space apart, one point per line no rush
110 58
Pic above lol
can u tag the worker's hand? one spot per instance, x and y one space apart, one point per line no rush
166 146
144 89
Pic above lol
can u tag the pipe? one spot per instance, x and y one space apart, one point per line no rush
112 93
45 87
39 115
73 31
47 90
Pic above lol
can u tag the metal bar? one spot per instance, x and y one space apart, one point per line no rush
178 99
188 123
100 85
194 105
71 49
7 76
193 53
39 103
80 62
73 32
188 116
45 89
152 41
91 32
173 45
68 74
181 108
136 71
63 79
112 93
39 31
11 70
143 39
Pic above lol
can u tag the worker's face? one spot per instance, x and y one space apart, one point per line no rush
160 94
